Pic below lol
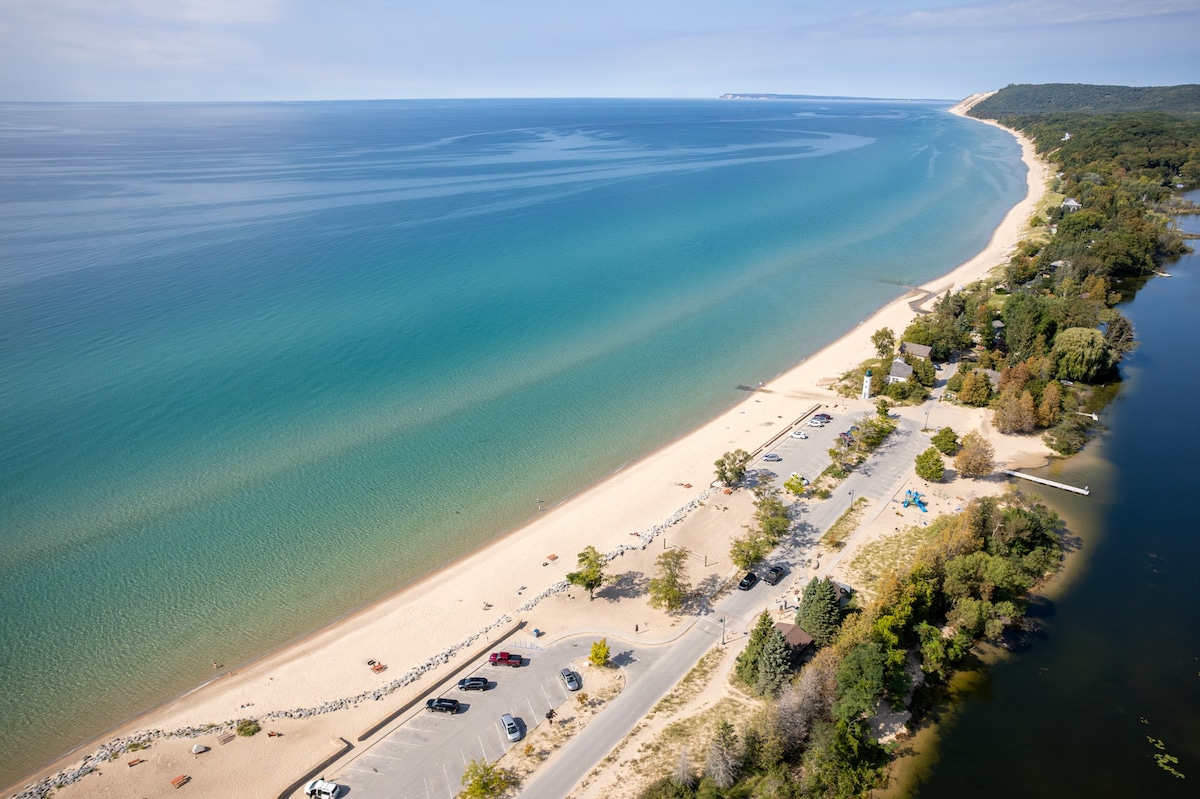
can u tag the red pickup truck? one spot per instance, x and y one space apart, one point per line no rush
504 659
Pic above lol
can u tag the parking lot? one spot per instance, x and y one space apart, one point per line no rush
424 755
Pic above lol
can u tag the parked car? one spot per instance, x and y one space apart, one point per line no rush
774 575
748 581
473 684
817 422
510 727
824 417
799 434
772 457
442 705
570 679
322 789
504 659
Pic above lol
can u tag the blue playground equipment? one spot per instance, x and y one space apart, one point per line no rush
914 498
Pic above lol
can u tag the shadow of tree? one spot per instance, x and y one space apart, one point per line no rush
622 659
624 586
697 600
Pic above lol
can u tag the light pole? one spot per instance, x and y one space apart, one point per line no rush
722 631
927 418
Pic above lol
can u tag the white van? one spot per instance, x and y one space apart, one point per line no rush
322 789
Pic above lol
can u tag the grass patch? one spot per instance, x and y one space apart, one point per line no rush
887 553
688 687
846 524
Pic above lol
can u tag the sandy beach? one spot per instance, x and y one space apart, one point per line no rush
475 601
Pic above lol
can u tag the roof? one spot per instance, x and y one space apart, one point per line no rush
920 350
900 370
1071 202
794 635
993 376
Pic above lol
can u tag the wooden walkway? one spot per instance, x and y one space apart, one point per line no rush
1050 483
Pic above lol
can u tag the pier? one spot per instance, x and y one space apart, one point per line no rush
1085 491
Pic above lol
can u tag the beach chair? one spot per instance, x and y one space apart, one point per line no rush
181 780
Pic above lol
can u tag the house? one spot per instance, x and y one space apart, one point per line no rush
798 642
993 377
997 330
1070 205
900 372
842 592
919 350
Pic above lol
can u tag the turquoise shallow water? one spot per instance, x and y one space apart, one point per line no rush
252 349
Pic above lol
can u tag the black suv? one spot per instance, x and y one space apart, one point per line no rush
748 581
473 684
774 575
442 705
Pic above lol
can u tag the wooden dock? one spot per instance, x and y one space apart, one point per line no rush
1085 491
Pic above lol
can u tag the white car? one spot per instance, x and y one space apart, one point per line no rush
772 457
799 434
816 422
322 789
510 727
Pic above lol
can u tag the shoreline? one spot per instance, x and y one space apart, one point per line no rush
415 623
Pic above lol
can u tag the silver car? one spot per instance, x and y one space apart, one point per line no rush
510 727
570 679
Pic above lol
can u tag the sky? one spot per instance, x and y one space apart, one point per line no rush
211 50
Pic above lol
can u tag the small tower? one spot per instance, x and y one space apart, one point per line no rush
866 392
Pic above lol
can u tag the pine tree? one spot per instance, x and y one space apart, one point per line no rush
683 775
774 665
723 760
930 465
746 666
820 615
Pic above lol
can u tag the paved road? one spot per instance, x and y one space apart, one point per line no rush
424 756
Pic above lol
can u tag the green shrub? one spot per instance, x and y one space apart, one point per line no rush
946 441
248 727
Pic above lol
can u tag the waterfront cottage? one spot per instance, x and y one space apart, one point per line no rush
919 350
900 372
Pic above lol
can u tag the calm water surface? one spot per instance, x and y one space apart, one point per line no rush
264 363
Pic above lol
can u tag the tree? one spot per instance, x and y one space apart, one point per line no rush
976 389
976 457
748 550
860 682
484 780
731 467
1015 414
885 342
1050 411
599 654
669 589
930 465
723 760
1118 334
946 440
883 408
746 666
591 571
819 614
683 775
923 371
1082 354
774 665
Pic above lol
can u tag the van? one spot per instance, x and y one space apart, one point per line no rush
510 727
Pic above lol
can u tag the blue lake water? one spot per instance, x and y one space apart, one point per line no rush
249 350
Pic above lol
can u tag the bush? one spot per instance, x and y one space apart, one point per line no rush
248 727
946 441
930 465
